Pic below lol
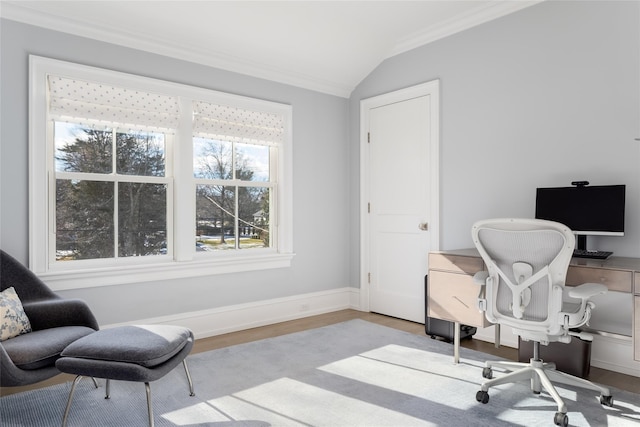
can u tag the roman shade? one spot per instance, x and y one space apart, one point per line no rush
105 105
237 124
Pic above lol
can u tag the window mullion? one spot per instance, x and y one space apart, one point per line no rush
116 192
116 219
234 175
52 183
184 198
236 218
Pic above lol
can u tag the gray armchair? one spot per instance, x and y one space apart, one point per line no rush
55 322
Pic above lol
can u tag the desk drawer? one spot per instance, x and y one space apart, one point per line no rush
453 297
455 263
615 280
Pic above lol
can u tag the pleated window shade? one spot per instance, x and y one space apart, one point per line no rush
103 105
237 124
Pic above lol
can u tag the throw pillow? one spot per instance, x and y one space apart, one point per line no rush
13 319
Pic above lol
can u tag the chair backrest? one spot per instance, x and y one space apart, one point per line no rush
527 261
26 284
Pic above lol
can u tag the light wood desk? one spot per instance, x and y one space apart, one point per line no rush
452 295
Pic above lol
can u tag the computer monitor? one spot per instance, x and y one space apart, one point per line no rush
586 210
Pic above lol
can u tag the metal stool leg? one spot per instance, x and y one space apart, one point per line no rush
186 370
149 408
66 411
107 393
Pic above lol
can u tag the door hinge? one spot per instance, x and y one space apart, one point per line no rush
369 278
368 137
368 207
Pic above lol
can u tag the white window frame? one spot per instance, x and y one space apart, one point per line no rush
182 259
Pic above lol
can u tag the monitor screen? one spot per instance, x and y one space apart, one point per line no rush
589 210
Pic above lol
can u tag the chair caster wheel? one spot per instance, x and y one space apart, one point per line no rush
487 373
606 400
561 419
482 396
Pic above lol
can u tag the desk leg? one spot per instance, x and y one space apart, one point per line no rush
456 343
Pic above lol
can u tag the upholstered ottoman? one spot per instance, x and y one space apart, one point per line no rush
142 353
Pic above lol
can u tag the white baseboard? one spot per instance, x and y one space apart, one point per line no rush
217 321
614 354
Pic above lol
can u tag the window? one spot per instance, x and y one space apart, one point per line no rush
135 179
234 163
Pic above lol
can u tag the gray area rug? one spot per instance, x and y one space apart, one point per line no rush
354 373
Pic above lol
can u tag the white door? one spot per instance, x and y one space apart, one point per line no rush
402 218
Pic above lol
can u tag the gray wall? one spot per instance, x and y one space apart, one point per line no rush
320 132
542 97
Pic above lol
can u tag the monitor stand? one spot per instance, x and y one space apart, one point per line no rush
581 243
582 252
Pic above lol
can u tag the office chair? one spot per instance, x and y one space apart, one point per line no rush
524 288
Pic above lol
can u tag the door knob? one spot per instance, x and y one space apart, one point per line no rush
424 226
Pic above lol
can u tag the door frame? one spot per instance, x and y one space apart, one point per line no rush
432 89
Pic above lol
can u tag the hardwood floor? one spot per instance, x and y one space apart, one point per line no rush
602 376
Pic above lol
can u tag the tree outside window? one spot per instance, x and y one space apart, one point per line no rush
103 204
231 212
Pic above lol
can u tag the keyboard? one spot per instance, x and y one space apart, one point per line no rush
583 253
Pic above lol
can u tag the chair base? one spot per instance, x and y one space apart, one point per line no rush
542 375
108 394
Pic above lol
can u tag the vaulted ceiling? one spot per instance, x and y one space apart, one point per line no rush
327 46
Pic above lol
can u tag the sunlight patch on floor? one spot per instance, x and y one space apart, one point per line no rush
403 370
195 414
630 411
287 402
316 406
229 408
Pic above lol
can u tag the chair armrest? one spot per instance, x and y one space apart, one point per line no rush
587 290
53 313
480 278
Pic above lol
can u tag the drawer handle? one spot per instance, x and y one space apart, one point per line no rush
460 301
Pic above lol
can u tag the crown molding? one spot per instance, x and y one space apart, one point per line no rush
471 18
166 47
22 12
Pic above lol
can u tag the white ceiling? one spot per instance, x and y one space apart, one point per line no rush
327 46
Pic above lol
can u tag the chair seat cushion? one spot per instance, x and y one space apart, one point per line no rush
144 345
38 349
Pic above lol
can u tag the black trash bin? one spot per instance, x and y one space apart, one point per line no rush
573 358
